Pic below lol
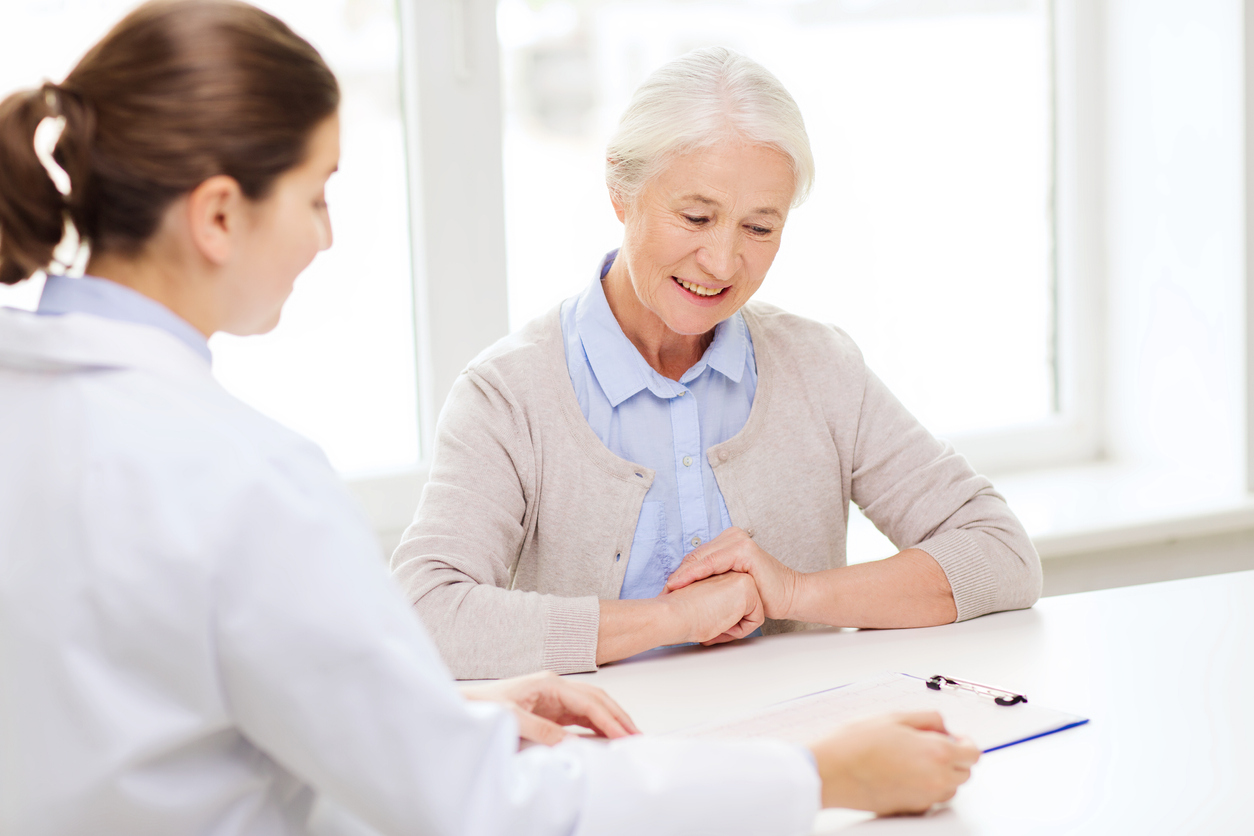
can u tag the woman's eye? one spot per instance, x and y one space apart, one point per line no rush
760 230
697 220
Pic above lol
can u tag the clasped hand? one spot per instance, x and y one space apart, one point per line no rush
718 608
734 552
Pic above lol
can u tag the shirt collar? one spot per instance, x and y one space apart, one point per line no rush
618 366
108 299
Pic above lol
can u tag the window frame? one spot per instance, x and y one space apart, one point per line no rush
452 106
1247 37
452 102
450 89
1075 434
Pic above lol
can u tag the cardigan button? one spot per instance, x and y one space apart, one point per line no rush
722 455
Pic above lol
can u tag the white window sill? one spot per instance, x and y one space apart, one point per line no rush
1095 525
1100 507
1115 524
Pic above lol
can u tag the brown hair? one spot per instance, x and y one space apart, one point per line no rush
178 92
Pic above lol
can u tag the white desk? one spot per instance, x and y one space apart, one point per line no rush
1164 672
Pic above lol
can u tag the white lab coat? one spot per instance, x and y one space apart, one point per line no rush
197 636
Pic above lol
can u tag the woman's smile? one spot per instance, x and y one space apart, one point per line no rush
703 295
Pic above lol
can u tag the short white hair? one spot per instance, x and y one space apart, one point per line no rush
702 98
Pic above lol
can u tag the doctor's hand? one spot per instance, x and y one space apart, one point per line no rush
897 763
735 551
717 609
544 702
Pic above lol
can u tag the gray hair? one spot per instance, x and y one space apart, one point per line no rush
698 100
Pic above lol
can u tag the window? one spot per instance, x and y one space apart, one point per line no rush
340 367
505 106
930 233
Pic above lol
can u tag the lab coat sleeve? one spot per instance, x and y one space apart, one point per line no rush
325 669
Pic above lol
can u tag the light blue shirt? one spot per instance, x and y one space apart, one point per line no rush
104 298
662 424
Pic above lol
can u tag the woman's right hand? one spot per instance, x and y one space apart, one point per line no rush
897 763
718 609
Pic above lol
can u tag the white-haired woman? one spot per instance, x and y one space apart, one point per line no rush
660 460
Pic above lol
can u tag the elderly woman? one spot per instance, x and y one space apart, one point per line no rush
661 460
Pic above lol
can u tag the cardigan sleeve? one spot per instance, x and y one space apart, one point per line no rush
922 494
456 561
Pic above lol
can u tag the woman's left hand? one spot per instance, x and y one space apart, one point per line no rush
544 702
735 551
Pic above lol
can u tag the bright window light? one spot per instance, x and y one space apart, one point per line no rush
340 366
929 233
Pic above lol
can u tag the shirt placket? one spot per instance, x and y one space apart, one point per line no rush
686 430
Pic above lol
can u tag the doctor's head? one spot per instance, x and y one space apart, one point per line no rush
189 149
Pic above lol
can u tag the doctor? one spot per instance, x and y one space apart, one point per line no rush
196 635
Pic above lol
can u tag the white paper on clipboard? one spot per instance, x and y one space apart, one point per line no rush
806 719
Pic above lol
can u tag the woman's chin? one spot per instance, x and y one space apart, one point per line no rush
692 324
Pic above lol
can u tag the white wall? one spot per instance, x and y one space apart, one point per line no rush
1167 496
1176 247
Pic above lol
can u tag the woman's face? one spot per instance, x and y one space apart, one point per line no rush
286 229
701 235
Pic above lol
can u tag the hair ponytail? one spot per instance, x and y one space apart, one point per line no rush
178 92
32 210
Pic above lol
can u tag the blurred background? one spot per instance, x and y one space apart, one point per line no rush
1028 213
340 368
933 190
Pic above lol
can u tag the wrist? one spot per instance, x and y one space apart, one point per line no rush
672 621
631 626
797 592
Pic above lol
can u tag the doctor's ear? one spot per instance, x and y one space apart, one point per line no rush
215 213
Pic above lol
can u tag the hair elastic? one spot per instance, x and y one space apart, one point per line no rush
47 135
71 253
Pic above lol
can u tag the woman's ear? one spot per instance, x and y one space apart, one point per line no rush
215 215
620 207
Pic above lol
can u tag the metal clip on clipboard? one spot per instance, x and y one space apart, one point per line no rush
999 696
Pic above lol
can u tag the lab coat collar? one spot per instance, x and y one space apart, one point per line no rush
102 297
76 342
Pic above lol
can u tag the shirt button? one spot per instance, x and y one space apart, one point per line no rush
681 394
687 461
696 541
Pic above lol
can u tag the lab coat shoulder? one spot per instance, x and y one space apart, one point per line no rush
206 463
157 459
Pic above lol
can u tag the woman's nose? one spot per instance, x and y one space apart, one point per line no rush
719 255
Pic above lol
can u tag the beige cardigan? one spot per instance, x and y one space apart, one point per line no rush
527 519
